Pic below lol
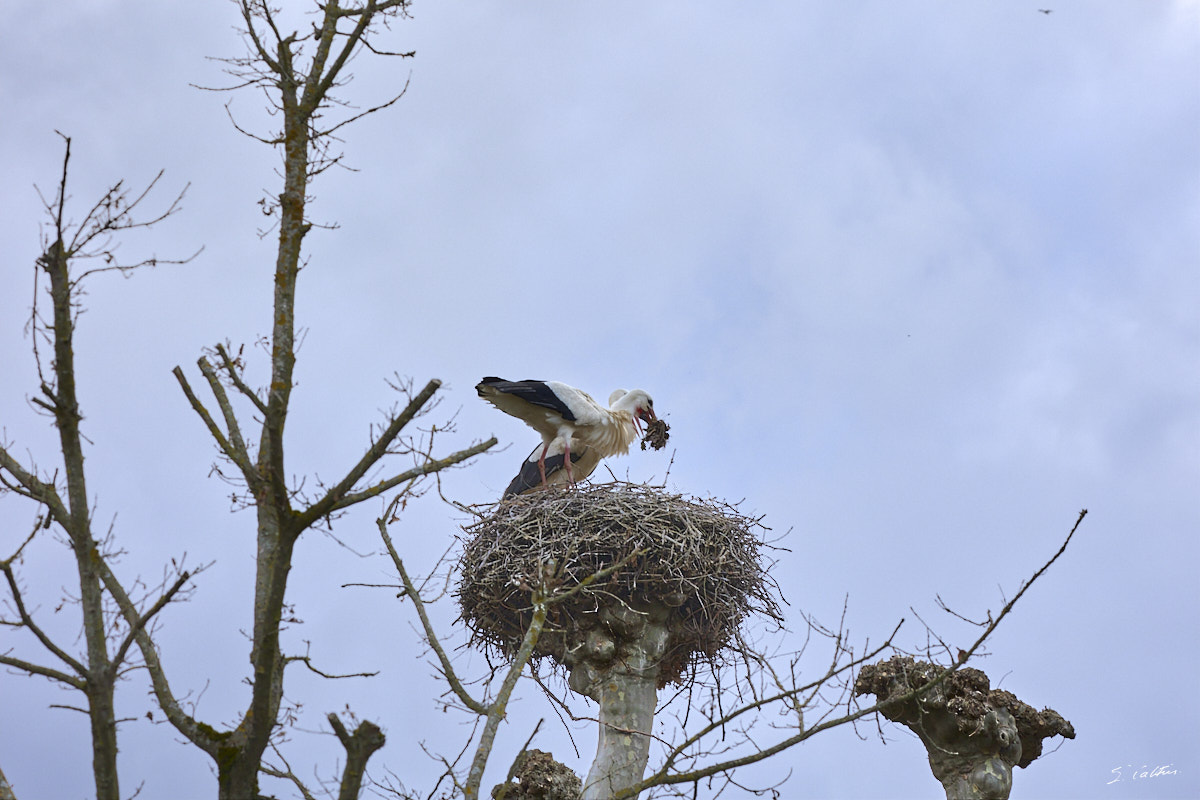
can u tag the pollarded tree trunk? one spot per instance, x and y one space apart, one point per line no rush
618 667
982 769
974 734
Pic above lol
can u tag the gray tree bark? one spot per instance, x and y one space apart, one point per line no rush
297 72
360 746
618 666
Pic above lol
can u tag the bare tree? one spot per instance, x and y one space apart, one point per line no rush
72 253
299 73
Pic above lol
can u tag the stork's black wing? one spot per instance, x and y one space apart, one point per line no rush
530 477
533 392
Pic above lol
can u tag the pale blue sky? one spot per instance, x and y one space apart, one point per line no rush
917 281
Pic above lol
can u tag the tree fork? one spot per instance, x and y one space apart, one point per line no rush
366 740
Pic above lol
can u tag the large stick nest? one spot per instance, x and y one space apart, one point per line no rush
698 562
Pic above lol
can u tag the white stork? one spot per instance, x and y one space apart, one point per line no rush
568 418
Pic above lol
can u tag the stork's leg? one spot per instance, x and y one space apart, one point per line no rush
567 448
542 463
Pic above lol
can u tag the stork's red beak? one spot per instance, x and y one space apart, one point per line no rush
642 414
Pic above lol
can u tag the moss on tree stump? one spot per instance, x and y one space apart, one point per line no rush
974 734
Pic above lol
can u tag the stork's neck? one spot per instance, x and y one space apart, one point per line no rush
623 431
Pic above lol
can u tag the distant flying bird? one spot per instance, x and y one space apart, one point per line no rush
1046 10
569 419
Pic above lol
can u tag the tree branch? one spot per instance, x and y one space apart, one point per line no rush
144 619
1024 587
74 681
307 661
260 51
35 489
430 466
497 709
287 774
203 736
373 109
240 459
241 454
377 450
411 592
27 621
366 16
230 366
430 633
366 740
342 495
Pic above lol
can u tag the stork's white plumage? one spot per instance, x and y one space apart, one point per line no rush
568 418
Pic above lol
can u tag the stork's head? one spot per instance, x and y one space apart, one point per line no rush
637 403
